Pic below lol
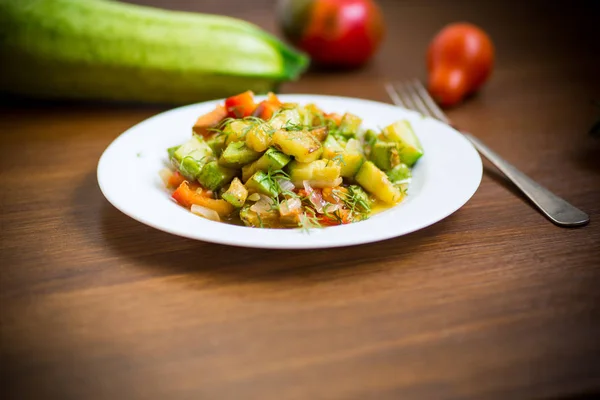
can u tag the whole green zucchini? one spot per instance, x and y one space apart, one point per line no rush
102 49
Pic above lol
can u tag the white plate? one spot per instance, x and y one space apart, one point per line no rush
444 179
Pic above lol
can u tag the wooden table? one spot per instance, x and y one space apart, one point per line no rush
493 302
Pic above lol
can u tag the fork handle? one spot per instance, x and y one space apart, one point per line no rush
555 208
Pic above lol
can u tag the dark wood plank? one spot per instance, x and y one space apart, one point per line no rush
493 302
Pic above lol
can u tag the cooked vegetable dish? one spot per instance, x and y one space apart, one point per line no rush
284 165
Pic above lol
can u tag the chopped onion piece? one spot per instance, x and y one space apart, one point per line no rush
316 198
205 212
165 175
307 186
285 184
266 198
290 206
264 204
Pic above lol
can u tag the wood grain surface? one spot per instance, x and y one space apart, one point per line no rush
493 302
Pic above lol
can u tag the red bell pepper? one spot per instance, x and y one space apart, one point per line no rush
338 217
175 179
268 107
210 120
186 196
241 105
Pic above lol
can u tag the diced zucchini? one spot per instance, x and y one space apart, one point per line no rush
266 219
353 146
399 173
311 115
260 182
190 167
171 151
350 158
319 173
331 148
191 156
369 140
237 154
376 182
350 164
213 176
195 147
285 117
259 137
385 155
319 133
237 130
401 132
353 158
370 137
272 160
350 125
303 146
236 194
217 143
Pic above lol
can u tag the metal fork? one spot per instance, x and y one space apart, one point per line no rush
413 95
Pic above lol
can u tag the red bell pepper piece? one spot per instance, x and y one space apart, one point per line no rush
241 105
187 196
268 107
338 217
210 120
175 179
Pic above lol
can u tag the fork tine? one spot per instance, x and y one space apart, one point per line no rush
428 100
394 95
413 91
405 95
398 95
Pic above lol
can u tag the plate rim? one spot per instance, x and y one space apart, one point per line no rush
354 241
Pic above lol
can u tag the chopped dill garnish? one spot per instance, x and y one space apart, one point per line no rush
273 176
307 222
356 200
260 223
293 126
224 123
339 158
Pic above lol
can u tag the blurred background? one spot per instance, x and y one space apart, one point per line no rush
525 33
550 43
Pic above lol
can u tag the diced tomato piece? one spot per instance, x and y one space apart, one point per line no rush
175 179
241 105
266 109
210 120
187 196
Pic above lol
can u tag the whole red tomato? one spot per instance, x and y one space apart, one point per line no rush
335 33
460 59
